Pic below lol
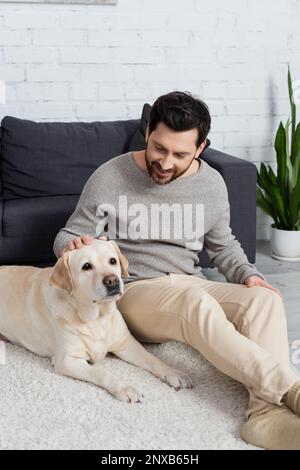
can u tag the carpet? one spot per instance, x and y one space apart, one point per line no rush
42 410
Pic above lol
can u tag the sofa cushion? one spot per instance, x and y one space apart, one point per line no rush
30 226
138 140
53 158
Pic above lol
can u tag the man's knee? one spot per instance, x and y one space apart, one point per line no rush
199 304
264 302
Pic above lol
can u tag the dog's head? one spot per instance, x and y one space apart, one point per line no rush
93 273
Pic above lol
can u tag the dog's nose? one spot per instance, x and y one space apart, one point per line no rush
111 281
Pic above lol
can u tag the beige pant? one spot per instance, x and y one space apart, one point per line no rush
241 330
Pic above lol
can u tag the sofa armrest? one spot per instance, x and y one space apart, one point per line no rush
1 186
1 227
240 178
1 199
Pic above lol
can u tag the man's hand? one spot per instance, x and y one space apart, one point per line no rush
254 280
79 242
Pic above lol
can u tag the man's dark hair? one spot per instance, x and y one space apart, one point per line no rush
180 111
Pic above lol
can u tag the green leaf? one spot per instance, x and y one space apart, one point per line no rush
272 175
258 178
265 205
278 204
266 180
293 109
280 147
273 194
296 155
287 130
281 192
290 170
295 201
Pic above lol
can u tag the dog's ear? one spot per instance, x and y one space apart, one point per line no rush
123 260
61 274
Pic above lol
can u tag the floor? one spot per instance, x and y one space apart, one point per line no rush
286 277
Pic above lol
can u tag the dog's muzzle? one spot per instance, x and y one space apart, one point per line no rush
112 284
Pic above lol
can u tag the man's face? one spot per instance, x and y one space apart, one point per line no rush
170 153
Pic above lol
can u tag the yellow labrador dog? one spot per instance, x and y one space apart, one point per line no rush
68 313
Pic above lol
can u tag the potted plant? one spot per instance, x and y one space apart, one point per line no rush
279 196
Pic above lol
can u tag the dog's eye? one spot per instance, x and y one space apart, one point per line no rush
87 267
113 261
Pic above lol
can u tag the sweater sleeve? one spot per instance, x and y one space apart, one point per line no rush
223 249
84 220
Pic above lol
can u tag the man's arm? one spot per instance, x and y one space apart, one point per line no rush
83 221
224 250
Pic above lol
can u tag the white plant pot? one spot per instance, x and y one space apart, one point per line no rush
285 244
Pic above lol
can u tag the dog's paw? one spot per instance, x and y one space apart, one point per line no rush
129 394
178 380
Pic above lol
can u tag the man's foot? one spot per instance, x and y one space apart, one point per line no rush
274 428
292 398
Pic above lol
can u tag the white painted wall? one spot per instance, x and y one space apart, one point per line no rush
64 62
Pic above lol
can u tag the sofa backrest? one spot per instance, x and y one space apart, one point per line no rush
55 158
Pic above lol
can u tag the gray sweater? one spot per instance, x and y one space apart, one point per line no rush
155 242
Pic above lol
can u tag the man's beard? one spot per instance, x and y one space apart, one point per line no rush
166 180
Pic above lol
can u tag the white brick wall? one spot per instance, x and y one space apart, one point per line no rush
70 62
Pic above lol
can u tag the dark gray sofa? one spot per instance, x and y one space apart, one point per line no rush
44 166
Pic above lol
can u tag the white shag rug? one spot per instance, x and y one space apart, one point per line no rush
42 410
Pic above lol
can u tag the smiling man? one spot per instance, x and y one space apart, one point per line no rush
183 160
238 325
